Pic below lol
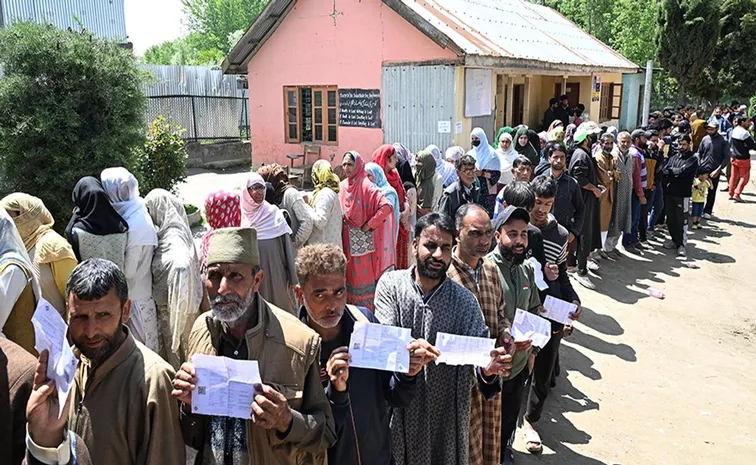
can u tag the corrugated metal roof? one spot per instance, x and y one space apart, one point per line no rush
516 29
104 18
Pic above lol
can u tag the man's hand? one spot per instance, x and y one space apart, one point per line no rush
643 200
338 368
551 272
507 341
524 345
531 363
500 364
184 383
45 428
421 354
576 314
570 238
270 410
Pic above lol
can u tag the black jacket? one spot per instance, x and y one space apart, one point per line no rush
569 208
742 143
679 172
454 198
361 413
712 153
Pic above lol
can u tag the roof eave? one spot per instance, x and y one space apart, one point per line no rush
240 55
430 31
489 61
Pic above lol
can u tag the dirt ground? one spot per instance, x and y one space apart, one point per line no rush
651 382
647 381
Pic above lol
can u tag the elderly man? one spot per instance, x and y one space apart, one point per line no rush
478 275
121 403
462 191
360 398
291 420
435 428
621 219
607 163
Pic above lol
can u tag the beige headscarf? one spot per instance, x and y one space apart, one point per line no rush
34 223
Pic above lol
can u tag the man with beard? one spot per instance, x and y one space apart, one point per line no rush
621 221
520 291
678 176
291 420
563 111
608 172
583 169
569 208
713 155
121 403
478 275
640 184
435 428
550 114
360 398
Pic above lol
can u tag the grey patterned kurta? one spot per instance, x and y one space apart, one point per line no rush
623 191
434 429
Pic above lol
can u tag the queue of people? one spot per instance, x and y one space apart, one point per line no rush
435 244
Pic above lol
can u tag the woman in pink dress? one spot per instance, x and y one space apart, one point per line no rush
366 242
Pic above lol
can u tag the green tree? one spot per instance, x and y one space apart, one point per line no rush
182 51
593 16
161 163
634 23
687 38
70 106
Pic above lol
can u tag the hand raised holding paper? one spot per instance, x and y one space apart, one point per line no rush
421 354
45 427
184 383
500 364
338 368
270 410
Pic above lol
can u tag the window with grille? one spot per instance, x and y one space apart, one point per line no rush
311 114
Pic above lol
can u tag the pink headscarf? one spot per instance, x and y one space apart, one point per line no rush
221 211
267 219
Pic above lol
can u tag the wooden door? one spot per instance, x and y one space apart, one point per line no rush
518 102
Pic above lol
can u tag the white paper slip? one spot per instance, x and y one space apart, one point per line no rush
50 334
225 387
529 326
540 281
380 347
464 350
558 310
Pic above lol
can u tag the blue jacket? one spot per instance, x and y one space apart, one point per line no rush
362 412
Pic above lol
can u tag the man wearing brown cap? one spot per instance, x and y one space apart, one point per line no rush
291 419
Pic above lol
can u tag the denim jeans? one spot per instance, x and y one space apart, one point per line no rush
631 238
657 211
650 194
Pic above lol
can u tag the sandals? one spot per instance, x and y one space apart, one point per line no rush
533 441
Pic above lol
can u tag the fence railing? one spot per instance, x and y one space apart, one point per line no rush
203 117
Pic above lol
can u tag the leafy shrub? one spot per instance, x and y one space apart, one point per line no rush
71 105
161 163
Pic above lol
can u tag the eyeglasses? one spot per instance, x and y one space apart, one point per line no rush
257 187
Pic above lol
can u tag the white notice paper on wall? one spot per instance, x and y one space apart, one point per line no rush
529 326
464 350
458 127
225 387
478 92
444 127
380 347
558 310
50 335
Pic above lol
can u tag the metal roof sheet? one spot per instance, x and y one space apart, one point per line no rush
517 29
104 18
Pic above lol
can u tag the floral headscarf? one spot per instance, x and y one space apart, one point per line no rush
323 177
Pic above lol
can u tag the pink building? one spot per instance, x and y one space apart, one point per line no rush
327 76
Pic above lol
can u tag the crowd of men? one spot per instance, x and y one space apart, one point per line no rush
454 245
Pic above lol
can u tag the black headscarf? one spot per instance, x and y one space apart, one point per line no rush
93 212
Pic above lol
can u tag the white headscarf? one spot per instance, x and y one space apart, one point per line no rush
485 156
506 159
267 219
123 191
444 169
12 248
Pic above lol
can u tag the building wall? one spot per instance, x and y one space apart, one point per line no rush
631 96
312 46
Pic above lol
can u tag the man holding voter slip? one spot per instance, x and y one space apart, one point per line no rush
366 368
522 304
435 427
252 393
477 274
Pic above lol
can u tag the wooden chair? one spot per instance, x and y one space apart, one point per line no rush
302 174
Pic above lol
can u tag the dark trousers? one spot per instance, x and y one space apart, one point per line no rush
583 251
709 207
511 398
657 211
631 238
675 218
540 383
644 209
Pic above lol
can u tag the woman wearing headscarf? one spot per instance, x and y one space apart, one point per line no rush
290 199
387 159
367 216
430 188
505 129
453 154
408 218
556 134
569 134
19 287
51 256
277 253
524 146
446 170
222 210
376 175
176 283
96 230
123 191
325 205
487 168
404 162
507 155
557 123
